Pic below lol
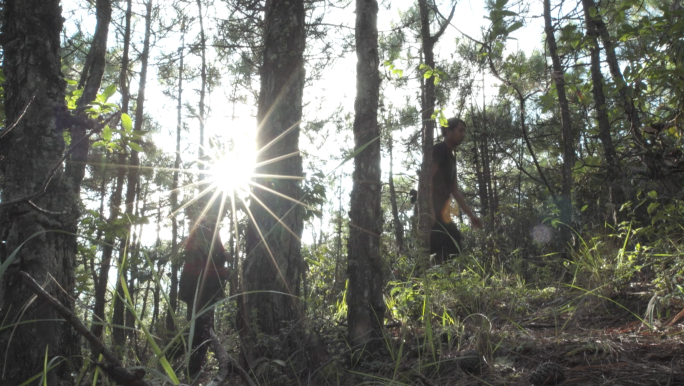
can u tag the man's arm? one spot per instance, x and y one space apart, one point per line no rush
460 199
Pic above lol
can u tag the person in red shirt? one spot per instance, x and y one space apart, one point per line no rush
202 280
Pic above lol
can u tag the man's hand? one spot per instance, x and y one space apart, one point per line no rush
477 222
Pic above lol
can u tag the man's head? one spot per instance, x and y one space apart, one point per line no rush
454 132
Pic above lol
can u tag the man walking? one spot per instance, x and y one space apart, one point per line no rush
201 285
445 238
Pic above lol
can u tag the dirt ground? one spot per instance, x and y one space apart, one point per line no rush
604 344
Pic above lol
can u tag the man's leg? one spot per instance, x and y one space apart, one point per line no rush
440 241
454 243
200 341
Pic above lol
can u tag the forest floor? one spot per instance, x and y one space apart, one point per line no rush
608 345
601 342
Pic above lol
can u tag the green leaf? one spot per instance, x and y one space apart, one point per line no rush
508 13
135 147
428 74
109 91
107 133
593 11
127 122
653 194
515 26
652 207
71 82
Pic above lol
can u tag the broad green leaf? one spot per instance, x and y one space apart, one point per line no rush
109 91
653 194
428 74
652 207
515 26
127 122
135 147
593 11
107 133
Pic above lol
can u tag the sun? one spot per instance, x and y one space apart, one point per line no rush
232 172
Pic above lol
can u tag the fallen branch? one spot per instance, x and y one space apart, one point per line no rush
112 366
225 362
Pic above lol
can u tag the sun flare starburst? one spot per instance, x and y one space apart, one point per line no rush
232 173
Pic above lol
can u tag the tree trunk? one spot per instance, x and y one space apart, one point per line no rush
274 263
398 226
479 173
599 97
612 163
428 100
203 90
91 79
568 140
115 201
366 308
173 292
631 112
131 186
32 148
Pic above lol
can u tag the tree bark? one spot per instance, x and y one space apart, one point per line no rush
115 200
566 127
398 226
479 173
366 308
91 80
34 89
203 90
175 263
428 100
274 262
599 97
631 112
131 185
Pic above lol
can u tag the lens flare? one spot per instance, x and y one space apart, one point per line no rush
232 173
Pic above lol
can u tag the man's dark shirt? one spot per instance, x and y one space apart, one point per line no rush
443 180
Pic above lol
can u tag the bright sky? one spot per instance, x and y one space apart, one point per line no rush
335 89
